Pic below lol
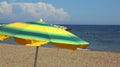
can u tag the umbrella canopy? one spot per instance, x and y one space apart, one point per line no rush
37 34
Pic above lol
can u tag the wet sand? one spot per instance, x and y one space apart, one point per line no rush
23 56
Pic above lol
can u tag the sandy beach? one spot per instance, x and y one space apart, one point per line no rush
22 56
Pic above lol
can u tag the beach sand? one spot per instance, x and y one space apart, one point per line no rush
23 56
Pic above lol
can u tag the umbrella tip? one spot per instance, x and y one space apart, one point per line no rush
40 20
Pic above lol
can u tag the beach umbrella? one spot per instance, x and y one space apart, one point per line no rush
40 33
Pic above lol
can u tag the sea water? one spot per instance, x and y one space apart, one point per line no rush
100 37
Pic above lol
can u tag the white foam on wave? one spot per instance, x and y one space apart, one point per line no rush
81 49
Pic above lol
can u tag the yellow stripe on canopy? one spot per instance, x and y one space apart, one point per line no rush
39 28
18 25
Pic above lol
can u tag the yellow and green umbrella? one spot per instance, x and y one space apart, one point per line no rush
40 33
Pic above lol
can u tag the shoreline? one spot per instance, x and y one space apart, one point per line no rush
63 48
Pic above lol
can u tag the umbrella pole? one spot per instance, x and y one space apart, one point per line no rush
36 55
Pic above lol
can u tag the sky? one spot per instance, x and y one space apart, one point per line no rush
84 12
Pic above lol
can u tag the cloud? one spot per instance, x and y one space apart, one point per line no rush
20 11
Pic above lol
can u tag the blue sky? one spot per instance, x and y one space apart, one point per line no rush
61 11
